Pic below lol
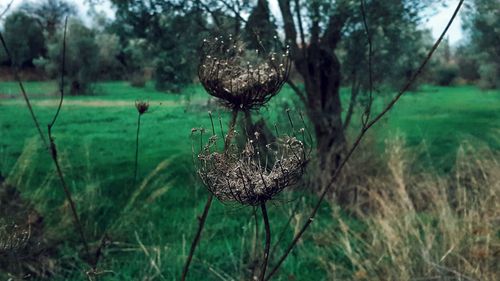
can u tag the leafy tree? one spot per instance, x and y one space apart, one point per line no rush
315 29
49 14
482 21
110 48
260 30
468 65
82 57
172 30
24 38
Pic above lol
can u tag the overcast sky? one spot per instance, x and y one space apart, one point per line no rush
437 21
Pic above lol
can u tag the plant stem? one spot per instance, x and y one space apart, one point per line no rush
268 241
69 197
366 126
256 237
208 204
53 154
197 237
23 91
136 163
230 132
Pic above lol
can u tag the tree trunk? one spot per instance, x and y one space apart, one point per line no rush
321 72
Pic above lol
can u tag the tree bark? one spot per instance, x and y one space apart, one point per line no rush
322 76
319 66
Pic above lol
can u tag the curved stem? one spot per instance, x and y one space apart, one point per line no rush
230 132
366 126
267 227
197 237
256 237
23 91
136 163
208 204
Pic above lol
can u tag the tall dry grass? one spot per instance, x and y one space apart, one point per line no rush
420 225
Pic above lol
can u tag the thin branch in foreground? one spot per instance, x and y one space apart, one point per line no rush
197 237
23 91
366 114
208 204
54 156
7 8
356 143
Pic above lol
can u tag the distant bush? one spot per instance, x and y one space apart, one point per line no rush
110 49
136 60
446 74
24 38
82 58
490 75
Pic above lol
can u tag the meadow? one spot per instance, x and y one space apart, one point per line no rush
151 223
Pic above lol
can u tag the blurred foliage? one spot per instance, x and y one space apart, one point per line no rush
49 14
260 30
482 21
82 57
172 31
399 43
24 49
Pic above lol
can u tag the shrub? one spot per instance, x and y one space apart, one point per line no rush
82 58
446 74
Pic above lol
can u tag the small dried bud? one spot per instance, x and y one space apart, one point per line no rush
257 135
142 106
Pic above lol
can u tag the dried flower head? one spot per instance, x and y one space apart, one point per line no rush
240 79
142 106
13 237
248 177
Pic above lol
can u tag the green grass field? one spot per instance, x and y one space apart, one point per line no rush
95 136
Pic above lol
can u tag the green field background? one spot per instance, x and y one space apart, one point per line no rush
153 222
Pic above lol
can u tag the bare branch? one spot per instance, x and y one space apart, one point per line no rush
297 91
366 114
7 8
289 26
23 91
356 143
355 85
53 150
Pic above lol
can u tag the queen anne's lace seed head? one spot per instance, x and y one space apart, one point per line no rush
13 237
142 106
227 74
243 176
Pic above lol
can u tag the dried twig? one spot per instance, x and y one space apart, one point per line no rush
54 155
7 8
23 91
208 204
356 143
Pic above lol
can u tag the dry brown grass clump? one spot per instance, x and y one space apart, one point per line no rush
422 226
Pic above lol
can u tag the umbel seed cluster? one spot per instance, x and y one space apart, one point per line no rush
241 79
250 176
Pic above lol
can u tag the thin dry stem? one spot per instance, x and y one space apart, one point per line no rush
357 142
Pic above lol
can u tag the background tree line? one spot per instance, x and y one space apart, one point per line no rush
329 43
160 39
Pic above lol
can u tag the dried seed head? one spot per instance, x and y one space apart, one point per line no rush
13 237
241 175
226 73
142 106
